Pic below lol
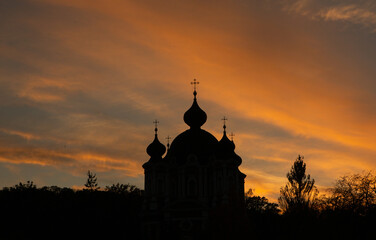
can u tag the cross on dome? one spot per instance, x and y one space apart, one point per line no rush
224 122
168 141
232 136
156 125
195 83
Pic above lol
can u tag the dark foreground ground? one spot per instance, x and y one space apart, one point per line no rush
61 213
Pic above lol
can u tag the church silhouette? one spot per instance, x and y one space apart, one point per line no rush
195 191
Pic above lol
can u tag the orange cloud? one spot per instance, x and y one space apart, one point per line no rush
46 157
27 136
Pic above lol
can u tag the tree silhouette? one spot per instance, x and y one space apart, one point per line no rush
300 193
355 194
259 205
123 189
91 182
28 186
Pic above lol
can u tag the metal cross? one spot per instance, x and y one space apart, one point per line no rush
232 136
224 120
168 139
194 83
156 125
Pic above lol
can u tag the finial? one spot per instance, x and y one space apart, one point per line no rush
195 83
168 142
156 126
224 123
232 136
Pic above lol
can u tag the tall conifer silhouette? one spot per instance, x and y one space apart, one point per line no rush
300 192
91 182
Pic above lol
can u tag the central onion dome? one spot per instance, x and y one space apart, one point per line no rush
195 140
195 117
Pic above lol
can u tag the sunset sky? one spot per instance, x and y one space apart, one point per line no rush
81 83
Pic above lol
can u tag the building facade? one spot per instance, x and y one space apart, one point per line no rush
195 186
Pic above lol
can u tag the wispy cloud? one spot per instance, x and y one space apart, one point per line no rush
357 12
25 135
351 13
78 160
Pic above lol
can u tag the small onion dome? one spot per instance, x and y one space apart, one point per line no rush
225 144
156 149
195 117
225 149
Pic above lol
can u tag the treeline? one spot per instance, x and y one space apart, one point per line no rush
29 212
347 211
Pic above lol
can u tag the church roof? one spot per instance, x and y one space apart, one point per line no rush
195 141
